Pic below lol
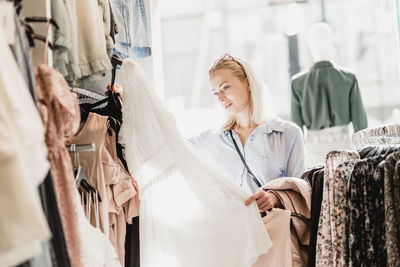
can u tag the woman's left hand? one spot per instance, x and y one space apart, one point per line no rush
265 200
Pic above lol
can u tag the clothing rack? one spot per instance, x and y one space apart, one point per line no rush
388 135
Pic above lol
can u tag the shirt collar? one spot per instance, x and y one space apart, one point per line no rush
274 125
321 64
271 126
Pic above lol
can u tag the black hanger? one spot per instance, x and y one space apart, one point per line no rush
43 39
374 152
114 104
113 107
115 61
18 6
34 36
42 19
114 124
364 152
387 151
81 178
112 110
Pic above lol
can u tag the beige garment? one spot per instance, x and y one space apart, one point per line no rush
120 190
24 115
295 196
65 39
94 130
277 223
114 184
23 165
105 11
93 59
22 222
60 114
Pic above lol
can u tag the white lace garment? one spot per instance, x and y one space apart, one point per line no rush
97 250
190 214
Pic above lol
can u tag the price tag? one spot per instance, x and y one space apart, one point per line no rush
7 22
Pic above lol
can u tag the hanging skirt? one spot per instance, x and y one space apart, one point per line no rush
319 142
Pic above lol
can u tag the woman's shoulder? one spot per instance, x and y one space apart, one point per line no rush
205 136
280 125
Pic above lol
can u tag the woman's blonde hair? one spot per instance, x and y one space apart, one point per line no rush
258 91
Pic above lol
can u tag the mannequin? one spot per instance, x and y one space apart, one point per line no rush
321 42
326 99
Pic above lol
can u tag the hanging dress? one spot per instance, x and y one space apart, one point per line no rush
59 110
23 166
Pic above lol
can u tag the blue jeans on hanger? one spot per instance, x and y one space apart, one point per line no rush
132 40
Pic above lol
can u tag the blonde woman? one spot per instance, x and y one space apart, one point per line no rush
270 147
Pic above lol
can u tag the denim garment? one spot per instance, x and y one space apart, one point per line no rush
273 150
132 40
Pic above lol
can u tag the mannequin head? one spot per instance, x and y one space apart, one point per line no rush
320 42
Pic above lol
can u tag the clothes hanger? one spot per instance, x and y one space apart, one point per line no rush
42 19
384 136
81 178
115 61
18 6
96 210
113 100
365 151
34 36
85 92
112 110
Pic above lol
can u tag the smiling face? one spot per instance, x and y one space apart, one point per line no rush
232 92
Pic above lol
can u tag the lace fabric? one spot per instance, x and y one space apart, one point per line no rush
96 248
190 214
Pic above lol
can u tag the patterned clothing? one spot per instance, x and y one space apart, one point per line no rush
366 227
360 211
327 224
392 208
340 208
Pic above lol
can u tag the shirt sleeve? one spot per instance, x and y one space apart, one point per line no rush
358 115
199 141
296 107
295 164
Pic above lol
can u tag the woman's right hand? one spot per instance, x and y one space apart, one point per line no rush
116 89
265 200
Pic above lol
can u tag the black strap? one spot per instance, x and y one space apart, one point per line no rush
244 162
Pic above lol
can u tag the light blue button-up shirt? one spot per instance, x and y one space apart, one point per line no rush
275 149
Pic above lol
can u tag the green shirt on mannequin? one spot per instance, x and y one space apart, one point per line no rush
327 96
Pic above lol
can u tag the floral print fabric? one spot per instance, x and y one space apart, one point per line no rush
326 238
392 208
